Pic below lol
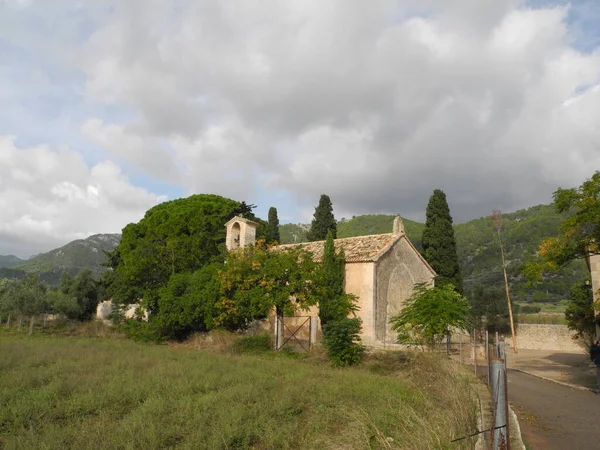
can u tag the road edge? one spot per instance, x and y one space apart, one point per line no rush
562 383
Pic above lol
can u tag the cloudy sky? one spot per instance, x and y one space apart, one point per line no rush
110 107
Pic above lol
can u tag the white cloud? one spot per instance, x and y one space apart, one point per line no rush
49 197
374 103
349 100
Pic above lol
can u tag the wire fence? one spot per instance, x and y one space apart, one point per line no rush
486 356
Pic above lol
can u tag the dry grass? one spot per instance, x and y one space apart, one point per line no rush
97 393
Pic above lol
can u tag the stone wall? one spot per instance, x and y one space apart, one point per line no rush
547 337
397 273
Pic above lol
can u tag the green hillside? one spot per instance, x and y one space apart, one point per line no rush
478 249
9 261
75 256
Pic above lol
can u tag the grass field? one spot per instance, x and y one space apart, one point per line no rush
69 392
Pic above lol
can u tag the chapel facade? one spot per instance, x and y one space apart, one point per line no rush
381 270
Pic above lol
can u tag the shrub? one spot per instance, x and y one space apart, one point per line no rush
252 344
528 309
139 331
342 341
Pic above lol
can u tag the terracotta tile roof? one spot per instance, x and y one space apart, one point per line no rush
356 249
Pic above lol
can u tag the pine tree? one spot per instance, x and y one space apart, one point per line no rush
439 244
323 221
273 227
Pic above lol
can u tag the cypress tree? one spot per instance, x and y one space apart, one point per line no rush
323 221
273 227
439 244
332 304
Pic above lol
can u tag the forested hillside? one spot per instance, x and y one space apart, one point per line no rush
80 254
9 261
478 249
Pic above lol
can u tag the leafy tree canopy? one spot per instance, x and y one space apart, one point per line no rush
189 302
323 221
175 237
489 303
256 279
429 314
580 311
580 232
439 244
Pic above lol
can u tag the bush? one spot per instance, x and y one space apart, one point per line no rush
139 331
252 344
527 309
342 341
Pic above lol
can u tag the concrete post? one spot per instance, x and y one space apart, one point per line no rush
313 330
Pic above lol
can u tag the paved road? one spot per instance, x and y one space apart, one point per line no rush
552 416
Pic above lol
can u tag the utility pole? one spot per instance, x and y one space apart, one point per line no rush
497 222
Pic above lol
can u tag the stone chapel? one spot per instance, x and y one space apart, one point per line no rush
381 270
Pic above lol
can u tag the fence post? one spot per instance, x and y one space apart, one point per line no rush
313 330
474 352
500 403
487 355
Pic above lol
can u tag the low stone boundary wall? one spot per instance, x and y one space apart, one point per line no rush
547 337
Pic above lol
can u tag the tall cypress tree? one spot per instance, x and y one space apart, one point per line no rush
273 227
332 304
323 221
439 244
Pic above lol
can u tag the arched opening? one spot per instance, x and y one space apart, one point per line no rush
236 232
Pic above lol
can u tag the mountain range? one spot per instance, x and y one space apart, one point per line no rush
477 246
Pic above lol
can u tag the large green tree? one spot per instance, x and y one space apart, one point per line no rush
428 315
179 236
579 233
490 303
273 227
254 280
323 221
439 244
580 311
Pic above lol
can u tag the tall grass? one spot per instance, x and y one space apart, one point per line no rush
115 394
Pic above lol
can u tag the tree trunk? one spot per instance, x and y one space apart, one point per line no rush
31 323
510 313
20 324
45 320
8 322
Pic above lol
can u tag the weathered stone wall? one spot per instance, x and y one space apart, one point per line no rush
360 279
547 337
397 273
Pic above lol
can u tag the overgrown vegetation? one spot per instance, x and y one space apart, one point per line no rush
341 334
580 311
75 298
429 313
92 393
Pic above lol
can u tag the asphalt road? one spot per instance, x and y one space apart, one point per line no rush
552 416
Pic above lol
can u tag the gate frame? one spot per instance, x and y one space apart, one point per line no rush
280 326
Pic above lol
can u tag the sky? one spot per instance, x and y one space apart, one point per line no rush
109 107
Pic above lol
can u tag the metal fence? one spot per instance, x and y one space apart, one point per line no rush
487 357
